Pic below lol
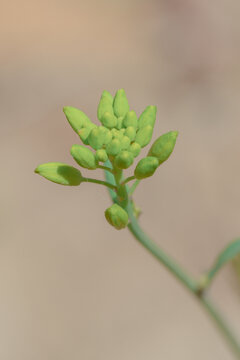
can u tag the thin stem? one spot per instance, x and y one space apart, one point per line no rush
185 279
105 168
128 179
221 325
158 253
95 181
132 189
180 274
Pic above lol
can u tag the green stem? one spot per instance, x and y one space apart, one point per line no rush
105 168
128 179
158 253
180 274
132 189
95 181
185 279
221 325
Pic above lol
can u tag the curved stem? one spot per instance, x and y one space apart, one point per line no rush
105 168
158 253
180 274
128 179
185 279
95 181
132 189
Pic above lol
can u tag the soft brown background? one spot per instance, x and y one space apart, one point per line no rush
71 286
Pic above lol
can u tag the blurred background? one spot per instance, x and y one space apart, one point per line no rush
71 286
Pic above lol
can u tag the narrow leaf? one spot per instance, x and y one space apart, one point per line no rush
60 173
236 265
229 253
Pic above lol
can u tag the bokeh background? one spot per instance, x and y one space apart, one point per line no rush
71 286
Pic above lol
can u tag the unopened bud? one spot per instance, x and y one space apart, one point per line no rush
114 147
101 155
163 146
119 123
84 157
125 142
123 160
130 119
148 117
96 139
105 104
116 216
107 137
130 132
84 133
60 173
146 167
144 135
77 119
135 149
109 120
120 103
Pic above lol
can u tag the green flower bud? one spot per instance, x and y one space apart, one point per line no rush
105 104
116 216
125 142
60 173
123 160
146 167
95 140
98 137
148 117
135 149
163 146
107 137
109 120
114 133
84 157
106 134
130 119
114 147
119 123
144 135
117 134
101 155
77 119
130 132
84 133
120 103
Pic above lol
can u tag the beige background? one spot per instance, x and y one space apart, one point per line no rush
71 286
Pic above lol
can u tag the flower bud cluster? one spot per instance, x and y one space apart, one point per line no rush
121 136
119 140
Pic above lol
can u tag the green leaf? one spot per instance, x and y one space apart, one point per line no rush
236 265
229 253
60 173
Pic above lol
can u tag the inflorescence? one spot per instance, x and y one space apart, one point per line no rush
115 143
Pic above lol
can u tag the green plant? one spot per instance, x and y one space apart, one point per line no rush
114 145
